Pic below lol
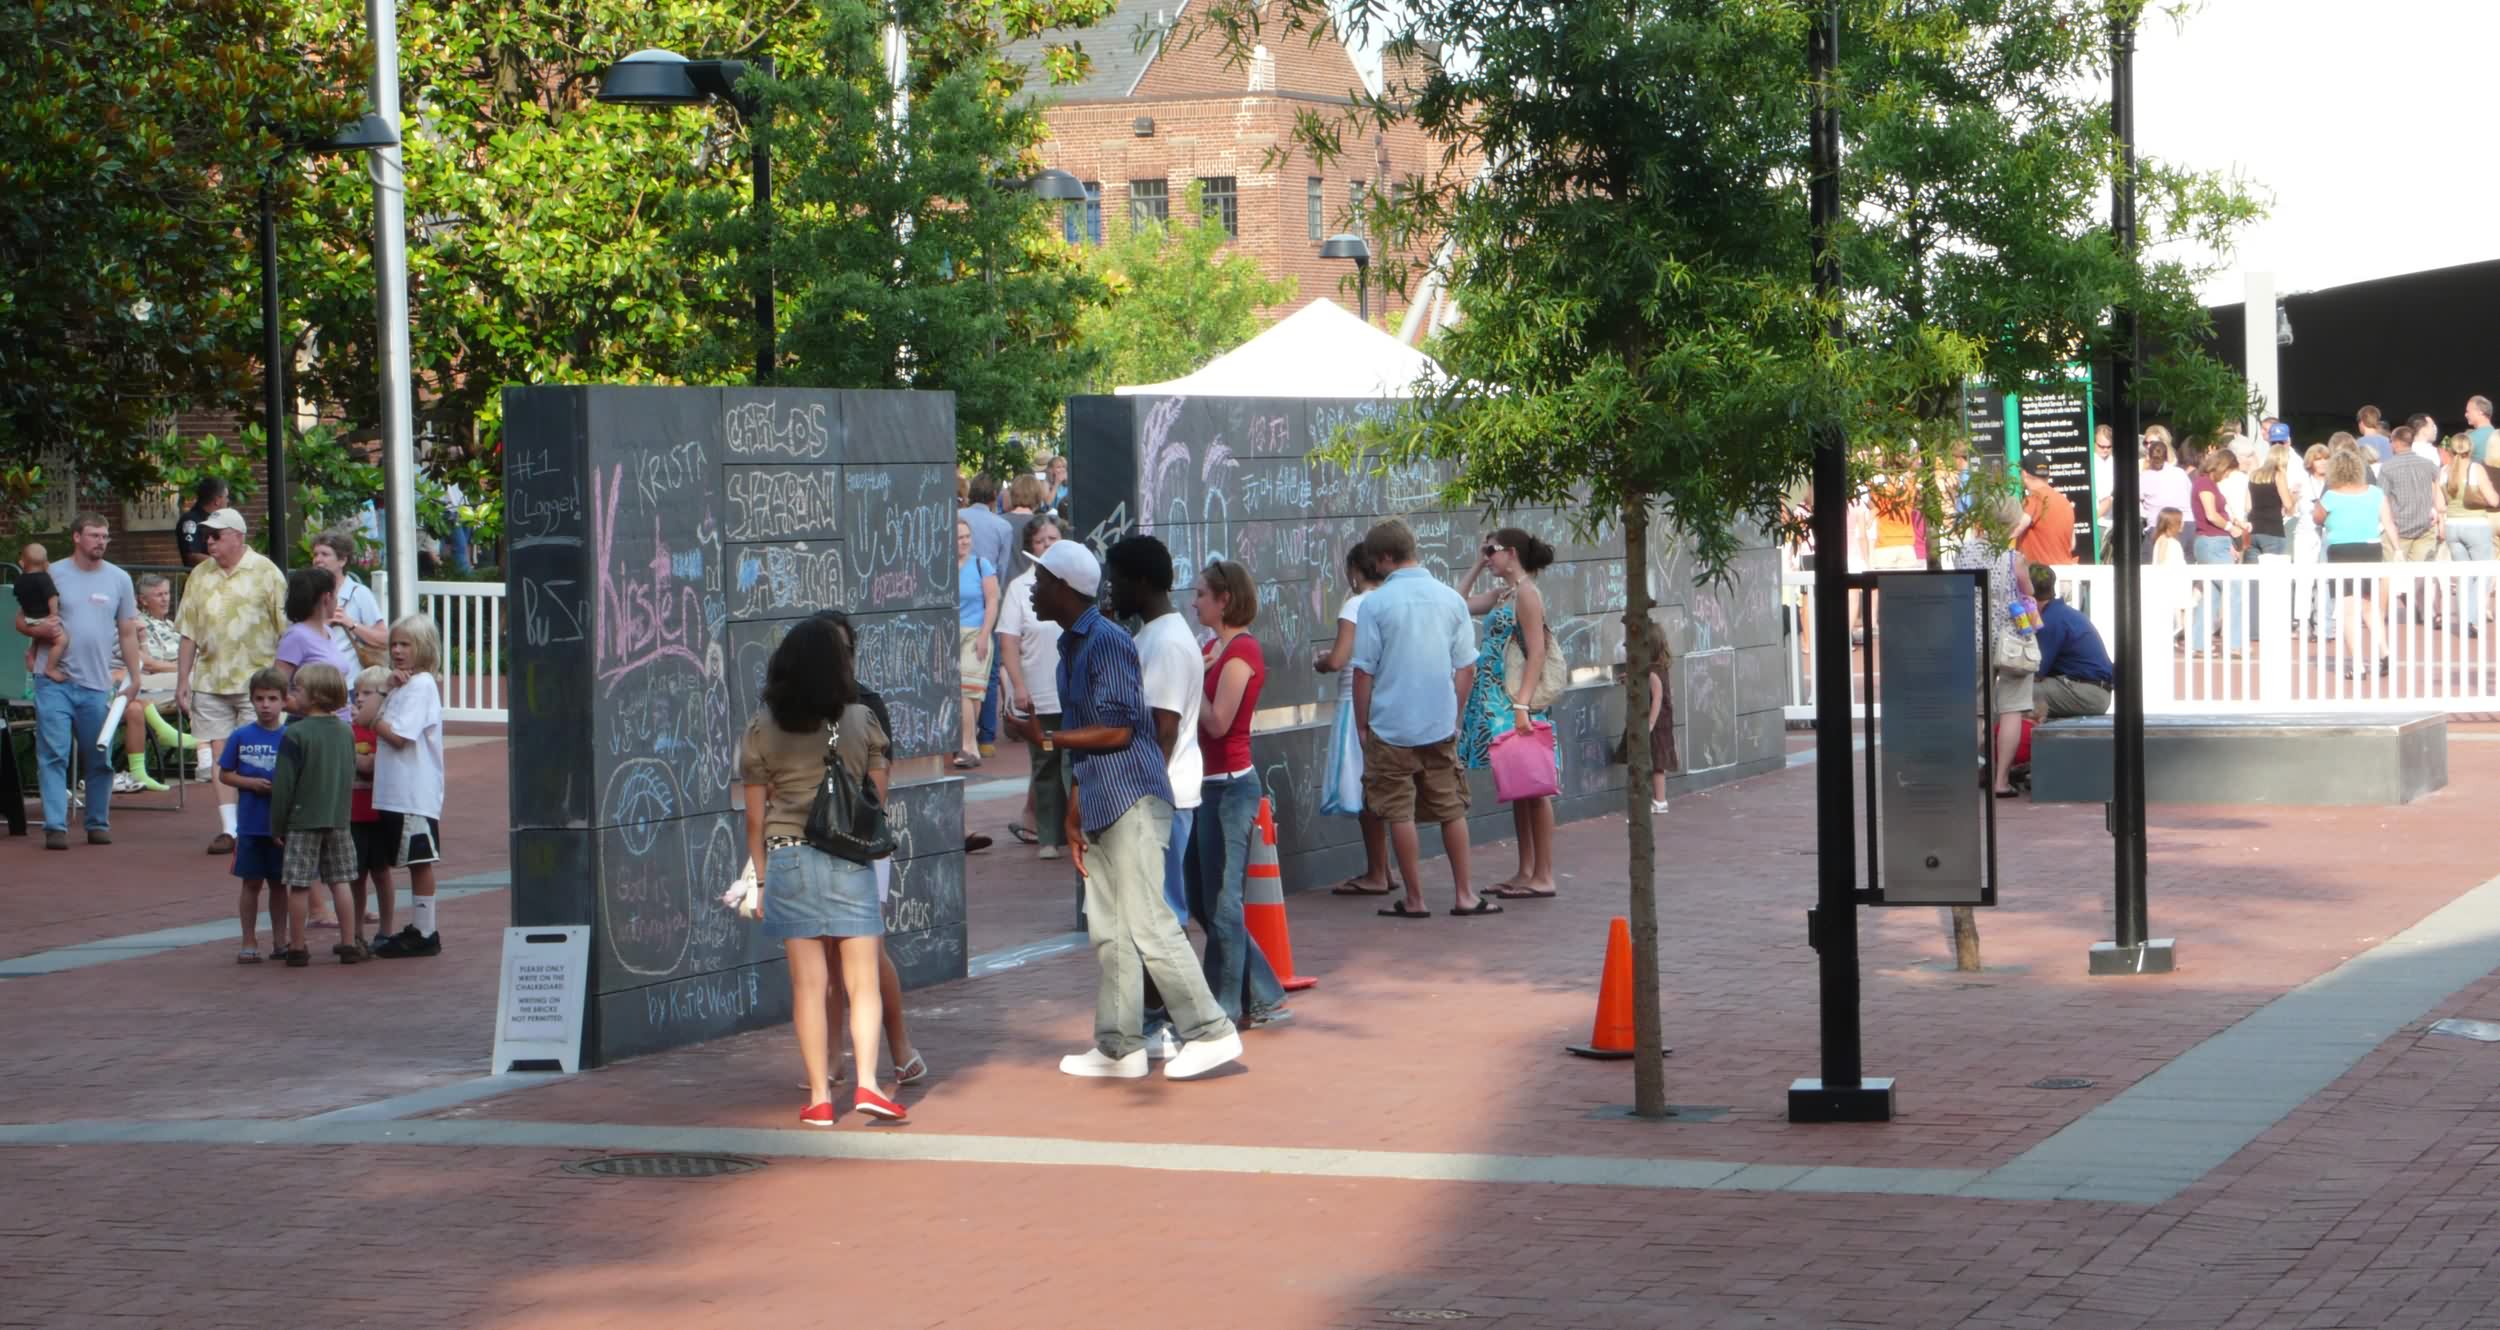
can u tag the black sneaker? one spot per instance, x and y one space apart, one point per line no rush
399 944
429 945
55 840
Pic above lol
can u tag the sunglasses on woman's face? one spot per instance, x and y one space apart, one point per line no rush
1491 550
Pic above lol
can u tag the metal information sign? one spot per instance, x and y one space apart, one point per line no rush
1933 836
538 1019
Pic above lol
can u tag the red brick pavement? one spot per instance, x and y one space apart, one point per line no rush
2373 1205
154 874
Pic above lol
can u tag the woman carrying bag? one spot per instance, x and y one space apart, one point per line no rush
1503 724
814 765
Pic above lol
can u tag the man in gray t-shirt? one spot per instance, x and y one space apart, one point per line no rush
2411 480
98 609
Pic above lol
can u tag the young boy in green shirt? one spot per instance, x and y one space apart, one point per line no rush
308 808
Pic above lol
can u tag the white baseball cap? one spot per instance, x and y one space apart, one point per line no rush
1072 563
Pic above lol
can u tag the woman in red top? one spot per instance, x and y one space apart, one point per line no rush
1244 984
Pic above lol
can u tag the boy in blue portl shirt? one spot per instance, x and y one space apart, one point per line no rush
247 765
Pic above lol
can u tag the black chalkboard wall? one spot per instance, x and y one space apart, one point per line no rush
662 540
1232 477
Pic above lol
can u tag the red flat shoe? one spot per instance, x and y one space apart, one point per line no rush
817 1115
875 1105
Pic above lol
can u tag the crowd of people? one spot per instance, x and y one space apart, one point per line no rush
1138 716
327 762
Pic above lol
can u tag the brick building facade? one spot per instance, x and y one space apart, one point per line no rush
1147 122
143 525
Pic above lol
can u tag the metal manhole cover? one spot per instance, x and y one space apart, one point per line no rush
1427 1315
2486 1031
2062 1083
673 1165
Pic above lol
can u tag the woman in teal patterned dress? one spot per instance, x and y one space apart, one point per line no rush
1513 607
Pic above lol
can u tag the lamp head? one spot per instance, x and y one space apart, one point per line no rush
651 77
370 131
1346 245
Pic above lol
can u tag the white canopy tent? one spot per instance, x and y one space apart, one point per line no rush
1319 350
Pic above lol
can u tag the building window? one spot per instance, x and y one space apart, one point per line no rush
1354 192
1081 223
1220 202
1316 206
1149 201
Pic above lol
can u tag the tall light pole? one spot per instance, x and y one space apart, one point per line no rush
1844 1092
390 302
653 77
2130 951
1347 245
368 133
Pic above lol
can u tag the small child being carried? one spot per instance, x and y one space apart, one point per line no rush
39 599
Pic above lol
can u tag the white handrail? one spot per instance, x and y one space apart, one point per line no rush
2273 636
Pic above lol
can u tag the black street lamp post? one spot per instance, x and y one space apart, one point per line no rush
2130 951
371 131
1351 246
653 77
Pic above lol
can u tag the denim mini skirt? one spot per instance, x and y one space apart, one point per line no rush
809 893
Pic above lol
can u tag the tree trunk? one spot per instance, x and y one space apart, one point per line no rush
1649 1072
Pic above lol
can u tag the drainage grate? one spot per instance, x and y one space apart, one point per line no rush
671 1165
2062 1083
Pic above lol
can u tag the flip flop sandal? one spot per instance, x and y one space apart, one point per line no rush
1484 905
1399 911
1024 835
911 1073
247 956
1511 893
1354 887
966 762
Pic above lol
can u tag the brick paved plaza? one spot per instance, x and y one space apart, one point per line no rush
2271 1137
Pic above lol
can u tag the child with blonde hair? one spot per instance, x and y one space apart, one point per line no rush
374 852
308 799
408 779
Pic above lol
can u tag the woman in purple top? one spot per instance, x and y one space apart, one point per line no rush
311 602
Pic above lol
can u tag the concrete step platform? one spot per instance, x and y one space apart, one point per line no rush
2255 758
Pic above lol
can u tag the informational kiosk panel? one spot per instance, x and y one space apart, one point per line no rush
2051 426
1931 802
662 541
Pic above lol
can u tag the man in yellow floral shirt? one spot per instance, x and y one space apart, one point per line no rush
233 609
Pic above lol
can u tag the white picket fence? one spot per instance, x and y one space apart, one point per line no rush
469 615
2275 637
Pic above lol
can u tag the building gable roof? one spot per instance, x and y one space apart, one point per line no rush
1112 46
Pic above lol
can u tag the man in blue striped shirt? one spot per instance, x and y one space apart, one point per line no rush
1119 821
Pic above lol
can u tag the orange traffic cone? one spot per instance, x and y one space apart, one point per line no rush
1263 902
1610 1035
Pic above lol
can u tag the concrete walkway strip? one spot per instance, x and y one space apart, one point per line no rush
134 945
1032 1151
2161 1134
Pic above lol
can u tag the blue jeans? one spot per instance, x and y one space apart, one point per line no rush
989 700
67 718
458 548
2217 551
1237 971
1175 895
2469 540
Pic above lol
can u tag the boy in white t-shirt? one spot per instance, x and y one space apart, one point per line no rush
408 779
1139 571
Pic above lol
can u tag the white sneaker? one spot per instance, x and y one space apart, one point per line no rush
1091 1062
125 783
1200 1056
1049 852
1161 1043
1657 805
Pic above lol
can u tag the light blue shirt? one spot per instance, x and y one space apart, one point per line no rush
358 601
1413 636
2353 519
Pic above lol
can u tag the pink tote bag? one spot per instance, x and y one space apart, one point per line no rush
1523 763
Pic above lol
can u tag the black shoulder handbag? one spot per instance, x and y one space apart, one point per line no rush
847 820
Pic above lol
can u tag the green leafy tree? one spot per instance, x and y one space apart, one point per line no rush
905 252
132 145
1176 297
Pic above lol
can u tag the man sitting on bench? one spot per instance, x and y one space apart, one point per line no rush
2074 676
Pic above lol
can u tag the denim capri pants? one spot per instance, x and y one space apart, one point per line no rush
809 893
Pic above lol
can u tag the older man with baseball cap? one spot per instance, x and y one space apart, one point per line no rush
233 610
1119 821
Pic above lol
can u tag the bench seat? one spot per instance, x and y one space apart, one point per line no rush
2258 758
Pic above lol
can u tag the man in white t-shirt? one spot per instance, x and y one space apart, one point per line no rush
1138 571
1028 656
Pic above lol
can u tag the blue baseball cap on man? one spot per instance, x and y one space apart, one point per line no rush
2278 432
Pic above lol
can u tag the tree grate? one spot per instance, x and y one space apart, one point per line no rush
665 1165
2062 1083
